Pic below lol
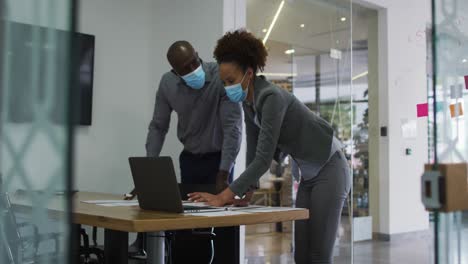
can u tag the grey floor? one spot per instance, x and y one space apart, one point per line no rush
410 250
265 246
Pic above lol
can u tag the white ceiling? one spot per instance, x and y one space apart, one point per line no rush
322 19
323 30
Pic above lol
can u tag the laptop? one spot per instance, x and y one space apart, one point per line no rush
157 189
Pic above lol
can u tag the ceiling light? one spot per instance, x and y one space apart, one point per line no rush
302 25
343 19
279 74
289 51
360 75
273 22
264 30
464 60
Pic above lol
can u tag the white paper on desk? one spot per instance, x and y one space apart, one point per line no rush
243 208
107 201
219 213
117 204
269 209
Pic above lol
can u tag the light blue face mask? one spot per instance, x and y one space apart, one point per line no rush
235 92
195 79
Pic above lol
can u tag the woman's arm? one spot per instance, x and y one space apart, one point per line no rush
273 111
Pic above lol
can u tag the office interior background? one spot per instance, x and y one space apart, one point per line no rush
366 66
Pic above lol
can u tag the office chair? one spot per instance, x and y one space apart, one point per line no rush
192 242
20 249
193 237
87 251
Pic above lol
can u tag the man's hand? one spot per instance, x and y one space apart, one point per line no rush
225 197
222 181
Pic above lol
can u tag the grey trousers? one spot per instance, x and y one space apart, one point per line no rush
324 196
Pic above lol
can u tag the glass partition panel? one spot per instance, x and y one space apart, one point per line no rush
34 131
310 55
448 99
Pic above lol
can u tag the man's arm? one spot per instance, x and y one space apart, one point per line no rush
158 127
231 120
159 124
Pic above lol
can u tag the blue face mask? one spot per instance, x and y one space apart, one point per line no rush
195 79
235 92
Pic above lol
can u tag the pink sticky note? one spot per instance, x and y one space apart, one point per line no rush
466 82
423 110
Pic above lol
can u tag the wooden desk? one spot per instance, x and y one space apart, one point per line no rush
119 221
134 219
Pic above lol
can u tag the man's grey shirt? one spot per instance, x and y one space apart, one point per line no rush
207 120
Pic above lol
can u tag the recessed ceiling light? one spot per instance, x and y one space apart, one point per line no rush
343 19
267 35
264 30
302 25
464 60
289 51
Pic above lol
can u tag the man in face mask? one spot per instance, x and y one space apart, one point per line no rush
209 124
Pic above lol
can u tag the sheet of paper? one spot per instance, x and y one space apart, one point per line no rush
422 110
409 129
108 201
218 213
269 209
117 204
456 91
456 110
243 208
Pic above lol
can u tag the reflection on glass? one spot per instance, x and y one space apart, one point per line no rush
449 98
34 150
310 55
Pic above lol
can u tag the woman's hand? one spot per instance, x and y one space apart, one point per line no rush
244 201
225 197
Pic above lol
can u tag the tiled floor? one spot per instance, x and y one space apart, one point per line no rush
264 246
275 248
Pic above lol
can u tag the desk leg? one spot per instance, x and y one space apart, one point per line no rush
75 243
226 245
155 248
115 247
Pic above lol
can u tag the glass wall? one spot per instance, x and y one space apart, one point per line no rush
322 81
448 96
34 131
310 55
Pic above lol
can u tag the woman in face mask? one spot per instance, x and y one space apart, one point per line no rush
276 120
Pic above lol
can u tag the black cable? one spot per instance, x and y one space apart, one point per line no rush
212 247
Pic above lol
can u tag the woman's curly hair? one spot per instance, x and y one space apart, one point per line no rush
242 48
